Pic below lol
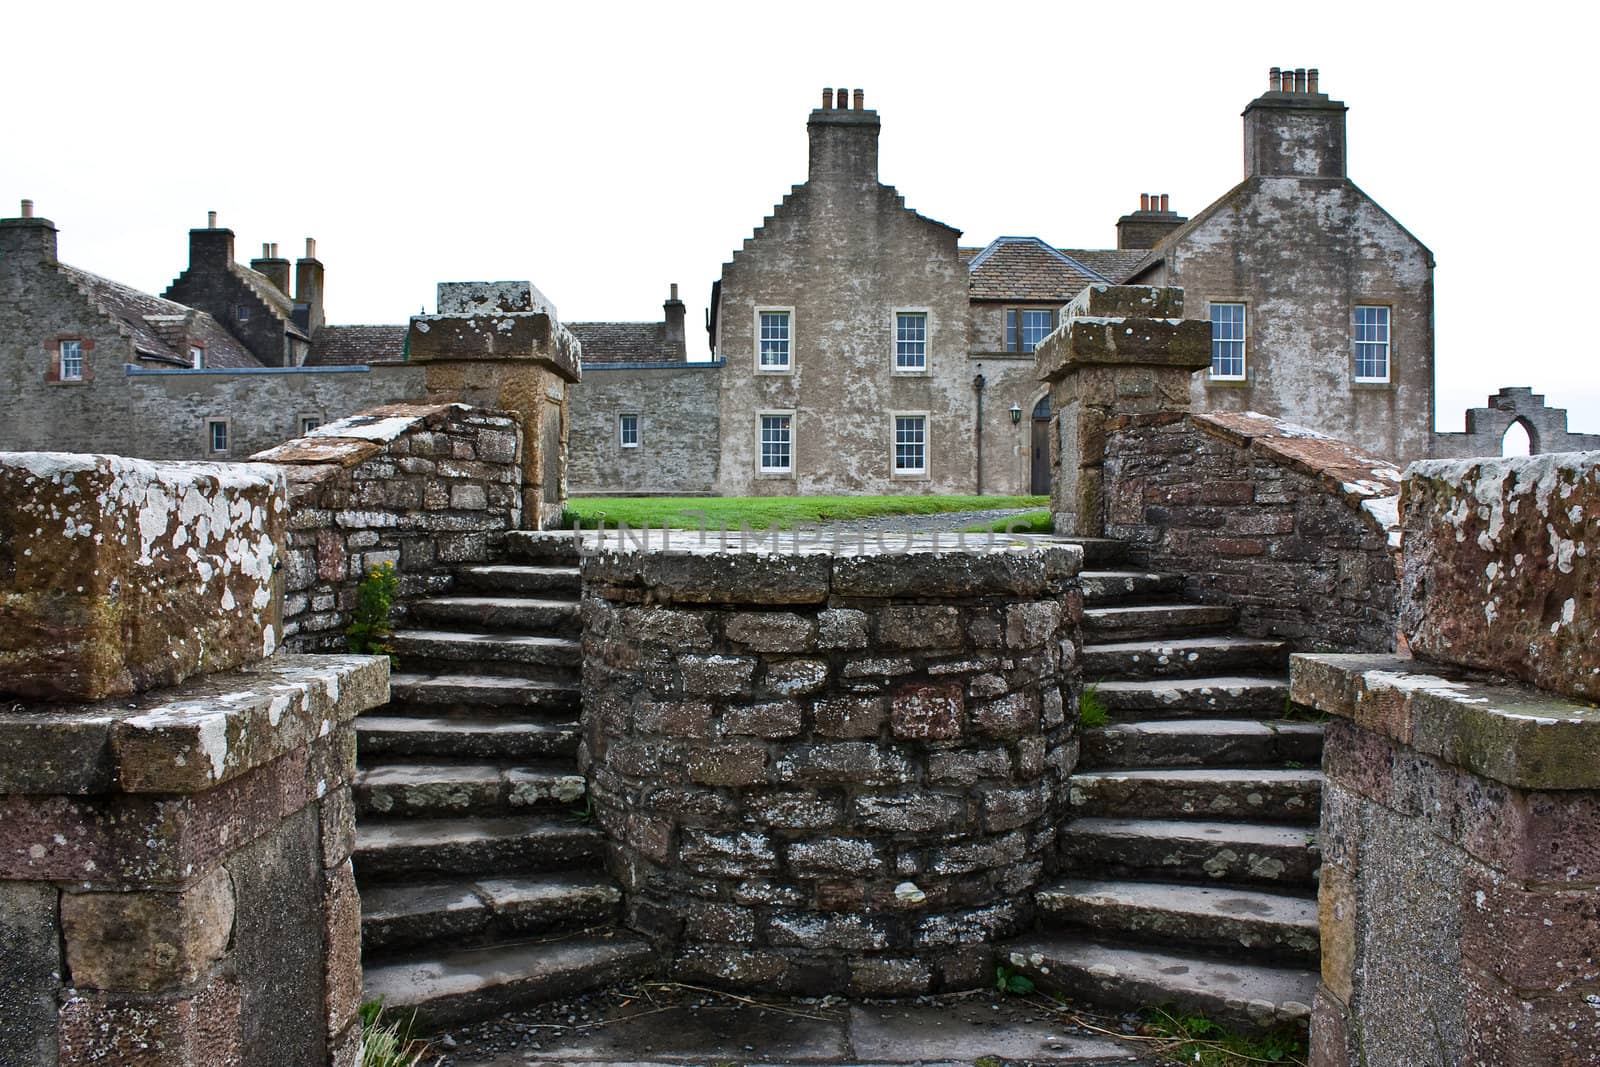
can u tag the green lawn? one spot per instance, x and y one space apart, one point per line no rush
764 512
1027 522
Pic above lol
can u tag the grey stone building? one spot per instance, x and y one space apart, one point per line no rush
1487 427
1321 302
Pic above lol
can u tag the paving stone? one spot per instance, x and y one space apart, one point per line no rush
1215 917
1211 792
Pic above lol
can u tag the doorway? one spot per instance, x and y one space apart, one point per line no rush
1039 482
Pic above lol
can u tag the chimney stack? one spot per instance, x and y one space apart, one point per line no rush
1146 227
25 241
275 270
308 288
210 249
844 142
1294 130
674 343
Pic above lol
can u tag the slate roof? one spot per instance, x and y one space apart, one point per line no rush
1025 268
152 322
621 342
1116 264
348 346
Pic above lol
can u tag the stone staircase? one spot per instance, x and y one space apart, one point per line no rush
1191 859
482 888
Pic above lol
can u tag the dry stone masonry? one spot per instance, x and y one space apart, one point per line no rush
1295 530
1461 811
425 487
175 877
830 770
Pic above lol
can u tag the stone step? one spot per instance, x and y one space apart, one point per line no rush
472 911
419 848
1099 553
461 646
1154 620
499 613
1209 696
505 578
463 737
1191 850
474 692
1111 587
434 790
1268 795
451 987
1248 996
1218 918
1195 742
1182 657
551 547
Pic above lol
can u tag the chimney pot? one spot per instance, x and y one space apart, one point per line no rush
841 98
1286 81
1163 201
860 99
1300 79
827 99
1144 201
211 220
674 291
1272 79
266 250
1311 80
311 248
27 209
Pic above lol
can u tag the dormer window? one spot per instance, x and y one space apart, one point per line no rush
197 356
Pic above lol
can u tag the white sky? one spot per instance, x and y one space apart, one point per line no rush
604 150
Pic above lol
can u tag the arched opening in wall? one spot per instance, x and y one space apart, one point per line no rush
1518 440
1039 478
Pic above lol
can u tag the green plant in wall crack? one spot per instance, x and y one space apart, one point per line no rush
369 630
1007 980
390 1044
1092 711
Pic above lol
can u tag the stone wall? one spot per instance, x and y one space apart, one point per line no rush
831 771
423 487
1295 530
679 429
1461 811
1486 428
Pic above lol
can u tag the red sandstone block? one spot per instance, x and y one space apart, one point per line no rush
1330 1033
1556 934
1232 546
200 1029
341 932
1507 1029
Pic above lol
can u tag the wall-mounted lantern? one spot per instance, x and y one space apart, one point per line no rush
1016 415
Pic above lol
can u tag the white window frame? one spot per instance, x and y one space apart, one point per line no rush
788 366
895 365
1243 340
61 360
1013 328
309 422
761 417
197 357
895 470
623 427
1386 345
211 425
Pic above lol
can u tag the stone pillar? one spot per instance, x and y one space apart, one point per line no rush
831 771
499 345
175 876
1460 886
1121 350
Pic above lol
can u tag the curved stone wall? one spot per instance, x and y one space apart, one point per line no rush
826 771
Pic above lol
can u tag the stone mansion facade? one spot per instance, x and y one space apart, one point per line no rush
857 346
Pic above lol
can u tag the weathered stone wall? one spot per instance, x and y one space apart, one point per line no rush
1295 530
1460 888
679 429
1487 426
1502 567
827 772
423 487
175 878
119 575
